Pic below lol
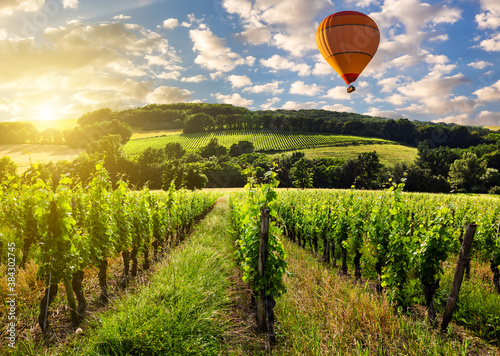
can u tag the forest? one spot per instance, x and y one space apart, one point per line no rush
451 158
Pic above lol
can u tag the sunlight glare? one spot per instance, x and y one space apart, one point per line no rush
46 112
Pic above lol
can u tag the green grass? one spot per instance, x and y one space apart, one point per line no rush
389 154
183 309
262 140
323 313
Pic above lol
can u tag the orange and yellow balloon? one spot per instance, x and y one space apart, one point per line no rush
348 41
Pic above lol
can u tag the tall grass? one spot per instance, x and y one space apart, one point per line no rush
327 314
182 310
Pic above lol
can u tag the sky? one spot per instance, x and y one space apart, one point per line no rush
437 60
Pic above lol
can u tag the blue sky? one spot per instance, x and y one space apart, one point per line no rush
437 60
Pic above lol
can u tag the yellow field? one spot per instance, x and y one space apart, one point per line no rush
139 133
21 154
493 128
63 124
388 154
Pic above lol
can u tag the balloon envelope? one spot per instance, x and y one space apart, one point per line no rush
348 41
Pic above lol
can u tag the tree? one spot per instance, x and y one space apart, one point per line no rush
369 168
105 114
213 149
198 123
194 177
240 148
438 160
465 173
302 174
174 150
7 167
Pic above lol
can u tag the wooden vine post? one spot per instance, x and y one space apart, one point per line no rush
264 308
459 275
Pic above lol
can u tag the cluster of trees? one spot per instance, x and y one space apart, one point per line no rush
195 117
18 132
444 169
441 169
83 135
200 117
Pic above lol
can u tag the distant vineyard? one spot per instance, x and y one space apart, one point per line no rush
262 140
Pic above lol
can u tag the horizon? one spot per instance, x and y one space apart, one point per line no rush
64 58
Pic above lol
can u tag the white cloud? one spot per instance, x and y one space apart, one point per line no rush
233 99
396 99
301 88
8 7
238 81
489 94
415 15
491 44
435 93
490 17
488 118
213 53
439 38
271 88
433 87
277 62
70 4
338 107
293 105
321 67
194 79
479 64
168 95
338 93
362 3
122 17
372 111
269 104
170 23
484 118
289 25
169 75
390 84
90 65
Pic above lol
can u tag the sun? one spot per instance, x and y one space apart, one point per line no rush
46 112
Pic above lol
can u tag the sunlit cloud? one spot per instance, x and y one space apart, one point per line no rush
168 95
195 79
338 107
233 99
213 53
269 104
277 62
293 105
239 81
479 64
288 25
170 23
301 88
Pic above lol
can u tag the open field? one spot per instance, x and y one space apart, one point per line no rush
21 154
63 124
140 133
262 140
389 154
494 128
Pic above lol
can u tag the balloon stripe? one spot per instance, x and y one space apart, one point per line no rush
349 24
335 54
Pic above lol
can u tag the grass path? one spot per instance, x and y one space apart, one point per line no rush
186 309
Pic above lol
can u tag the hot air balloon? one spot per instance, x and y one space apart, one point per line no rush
348 41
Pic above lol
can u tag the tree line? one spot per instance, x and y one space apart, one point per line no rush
202 117
442 169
